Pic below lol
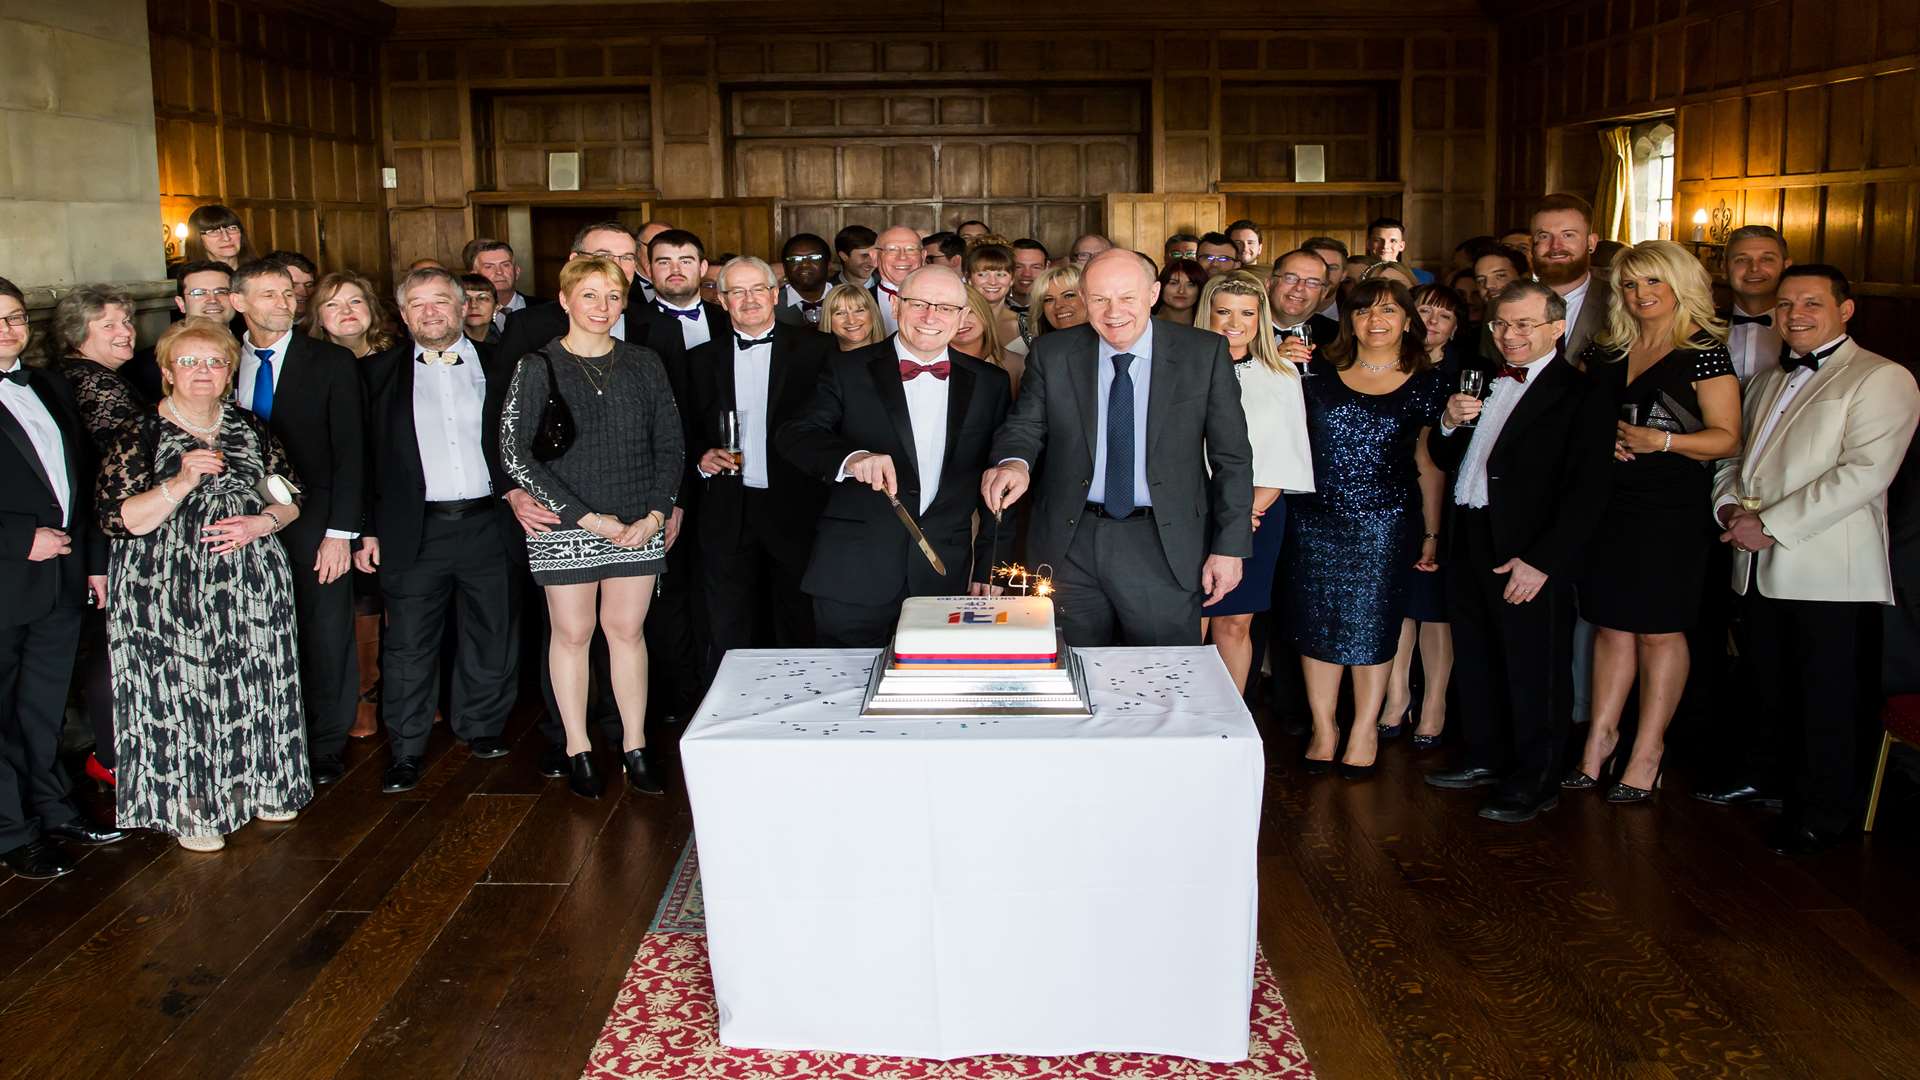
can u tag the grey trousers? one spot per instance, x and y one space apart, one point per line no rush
1115 588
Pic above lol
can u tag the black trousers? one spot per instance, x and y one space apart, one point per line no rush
1803 659
464 569
758 568
36 670
676 629
1115 587
1513 665
96 683
329 655
840 624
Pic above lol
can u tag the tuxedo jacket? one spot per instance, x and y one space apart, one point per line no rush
1822 477
861 552
1199 459
650 326
1550 473
396 480
319 417
28 502
794 496
1321 330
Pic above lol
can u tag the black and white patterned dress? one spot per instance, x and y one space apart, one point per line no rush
626 459
206 687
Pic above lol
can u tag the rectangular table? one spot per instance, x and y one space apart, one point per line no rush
946 888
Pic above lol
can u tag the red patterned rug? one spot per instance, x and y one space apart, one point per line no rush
663 1028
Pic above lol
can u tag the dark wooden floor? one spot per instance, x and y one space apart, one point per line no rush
479 926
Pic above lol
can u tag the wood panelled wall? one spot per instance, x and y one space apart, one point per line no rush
273 111
985 108
1801 114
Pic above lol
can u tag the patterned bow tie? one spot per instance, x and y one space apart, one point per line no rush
910 370
1791 363
449 357
1738 319
17 376
1509 371
689 314
754 342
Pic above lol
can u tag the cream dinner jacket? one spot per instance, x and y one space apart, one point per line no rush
1822 477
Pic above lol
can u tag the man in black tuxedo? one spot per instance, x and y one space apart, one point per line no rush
1144 501
756 517
906 418
1299 281
438 528
804 257
1756 256
53 563
1530 480
308 393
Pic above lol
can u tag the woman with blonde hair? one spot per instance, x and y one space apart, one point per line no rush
1235 306
1056 299
852 316
979 335
1663 357
348 312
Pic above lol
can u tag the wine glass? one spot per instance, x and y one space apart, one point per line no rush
1472 382
729 425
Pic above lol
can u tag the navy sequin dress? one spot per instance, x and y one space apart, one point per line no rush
1349 539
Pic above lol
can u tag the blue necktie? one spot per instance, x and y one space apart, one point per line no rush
263 385
1120 493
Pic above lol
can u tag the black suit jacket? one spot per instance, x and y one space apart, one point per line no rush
28 502
861 552
1550 473
648 325
319 416
396 480
1199 460
794 496
1321 330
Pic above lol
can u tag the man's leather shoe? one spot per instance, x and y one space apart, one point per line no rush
1510 810
1461 779
488 746
553 762
1731 794
37 859
402 775
326 770
82 831
1788 839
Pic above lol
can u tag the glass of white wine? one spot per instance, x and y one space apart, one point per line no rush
1472 381
1749 502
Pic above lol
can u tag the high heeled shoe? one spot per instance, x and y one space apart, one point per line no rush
1623 793
639 777
1425 742
1578 780
1314 766
1347 771
582 777
1394 731
98 772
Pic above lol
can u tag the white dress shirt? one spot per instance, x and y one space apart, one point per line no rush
1575 300
44 433
516 303
693 332
645 285
1141 371
447 403
885 294
1471 487
752 373
250 369
927 409
790 297
1754 348
1795 383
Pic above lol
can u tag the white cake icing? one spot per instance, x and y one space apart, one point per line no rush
957 628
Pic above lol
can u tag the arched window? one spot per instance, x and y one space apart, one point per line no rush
1652 181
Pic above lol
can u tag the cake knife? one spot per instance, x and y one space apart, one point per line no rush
918 536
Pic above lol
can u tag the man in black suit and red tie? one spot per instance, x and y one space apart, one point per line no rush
307 391
757 515
53 563
911 419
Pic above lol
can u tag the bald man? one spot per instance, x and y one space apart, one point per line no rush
1144 502
897 253
911 419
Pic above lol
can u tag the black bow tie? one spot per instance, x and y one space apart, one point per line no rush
17 376
1791 363
1738 319
689 314
753 342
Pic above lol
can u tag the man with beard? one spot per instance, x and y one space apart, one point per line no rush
1246 242
1563 240
900 254
805 259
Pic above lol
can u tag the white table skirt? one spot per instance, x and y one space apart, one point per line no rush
946 888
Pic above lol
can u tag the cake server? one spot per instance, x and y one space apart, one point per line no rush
918 536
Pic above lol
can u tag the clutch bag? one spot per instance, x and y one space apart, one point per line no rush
276 489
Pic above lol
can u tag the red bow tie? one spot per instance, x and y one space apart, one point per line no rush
909 370
1517 374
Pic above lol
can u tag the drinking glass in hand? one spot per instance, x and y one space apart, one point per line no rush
730 439
1306 339
1472 382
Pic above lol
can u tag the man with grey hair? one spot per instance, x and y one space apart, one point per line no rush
1530 480
898 252
757 510
439 533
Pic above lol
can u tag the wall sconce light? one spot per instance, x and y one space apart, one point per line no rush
1720 223
1700 225
172 239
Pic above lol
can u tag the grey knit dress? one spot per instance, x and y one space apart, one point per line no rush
626 459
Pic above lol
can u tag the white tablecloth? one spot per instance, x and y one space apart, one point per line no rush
945 888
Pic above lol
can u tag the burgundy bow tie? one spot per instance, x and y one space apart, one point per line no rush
1509 371
910 370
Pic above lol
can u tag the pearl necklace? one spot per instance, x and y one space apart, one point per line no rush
205 433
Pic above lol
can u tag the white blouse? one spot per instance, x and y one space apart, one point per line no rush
1277 426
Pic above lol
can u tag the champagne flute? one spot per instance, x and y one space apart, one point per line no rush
1472 381
1749 501
730 439
1305 369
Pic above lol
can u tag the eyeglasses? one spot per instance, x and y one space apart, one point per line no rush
750 290
1183 256
816 257
945 311
17 320
1525 326
213 363
1290 280
224 230
202 294
1217 260
628 259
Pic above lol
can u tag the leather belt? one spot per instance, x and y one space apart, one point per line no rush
1100 510
460 508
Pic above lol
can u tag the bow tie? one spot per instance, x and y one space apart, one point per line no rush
448 357
810 305
689 314
18 375
1018 309
1738 319
910 370
1790 363
752 342
886 288
1509 371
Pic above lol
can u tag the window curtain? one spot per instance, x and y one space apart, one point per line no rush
1614 205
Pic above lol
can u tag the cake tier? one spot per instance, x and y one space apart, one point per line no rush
976 631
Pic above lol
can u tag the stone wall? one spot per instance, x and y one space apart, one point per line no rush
79 183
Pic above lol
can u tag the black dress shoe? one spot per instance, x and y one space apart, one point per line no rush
553 762
327 769
402 775
639 777
1731 794
81 831
37 859
1314 766
1355 772
1512 810
488 746
1798 840
582 777
1460 779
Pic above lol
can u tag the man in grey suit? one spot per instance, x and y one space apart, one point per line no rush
1144 502
1563 243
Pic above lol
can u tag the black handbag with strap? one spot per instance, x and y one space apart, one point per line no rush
555 434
